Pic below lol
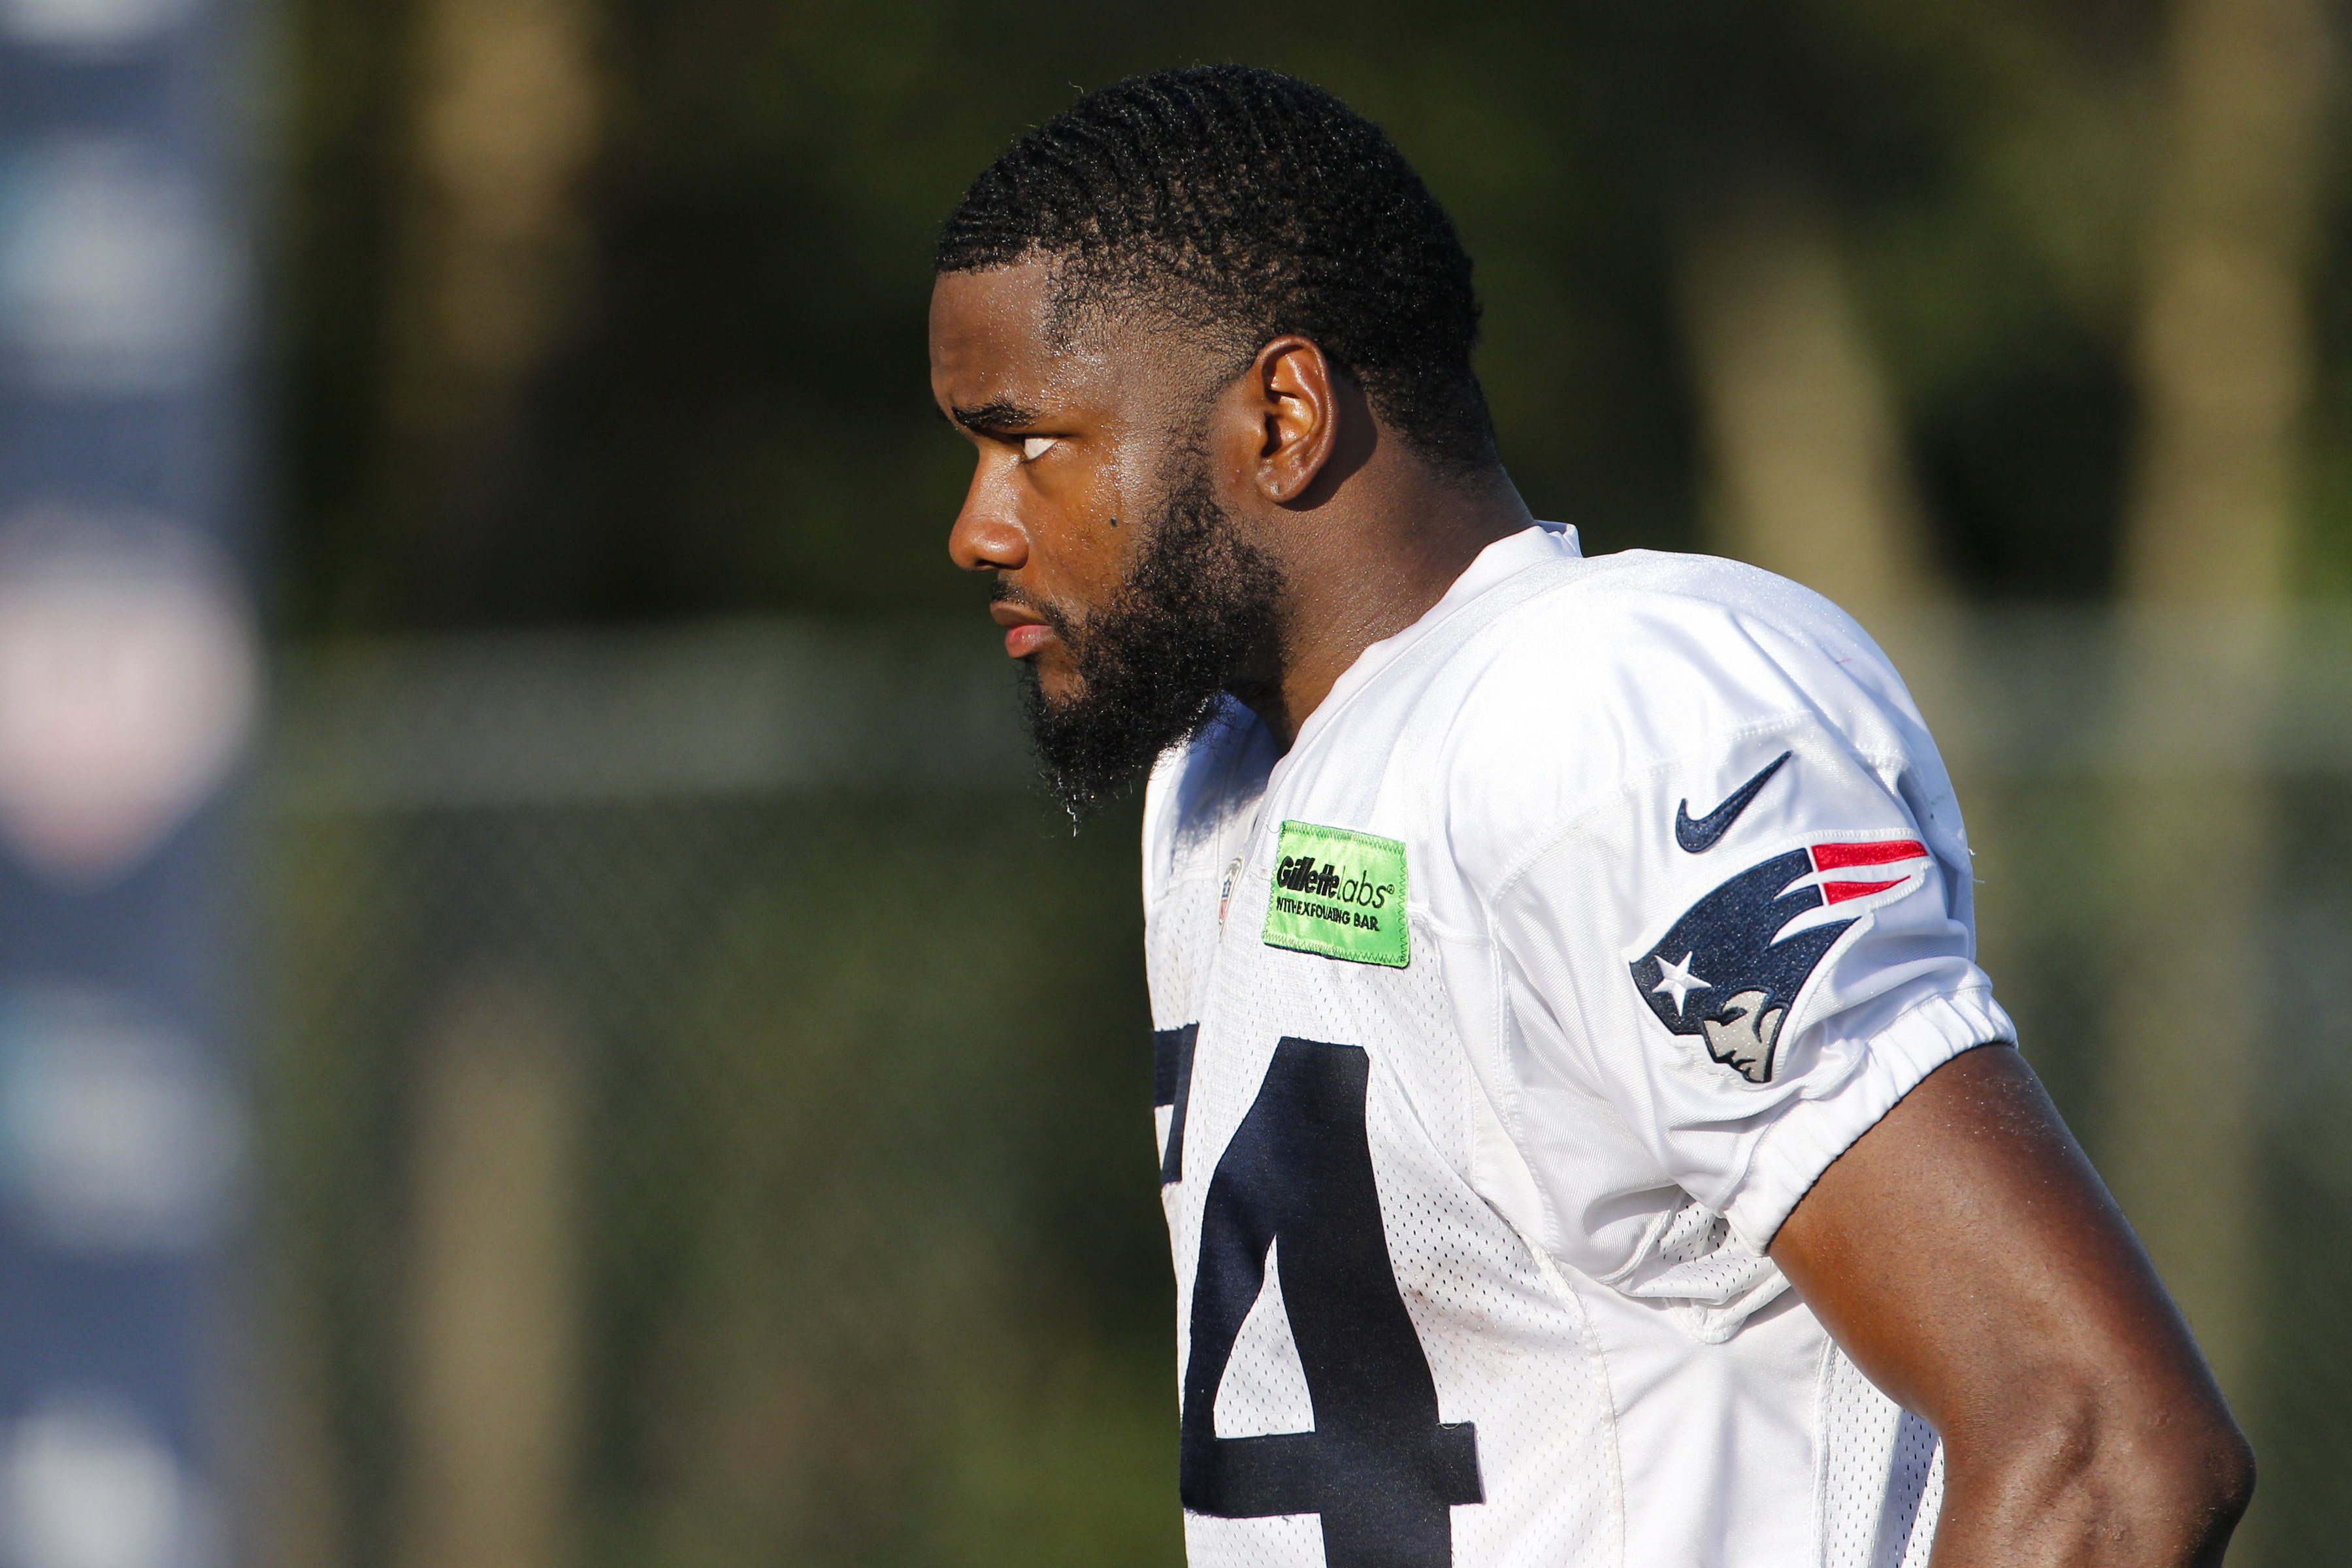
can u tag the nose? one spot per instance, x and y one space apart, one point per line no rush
986 536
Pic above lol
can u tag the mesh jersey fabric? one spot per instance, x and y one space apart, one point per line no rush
1470 1249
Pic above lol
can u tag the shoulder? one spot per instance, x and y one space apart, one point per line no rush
1640 668
1643 646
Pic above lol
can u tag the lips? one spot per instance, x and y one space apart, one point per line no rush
1025 631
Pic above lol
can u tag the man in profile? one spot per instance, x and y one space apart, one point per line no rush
1586 1137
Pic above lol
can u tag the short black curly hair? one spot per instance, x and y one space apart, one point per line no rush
1244 204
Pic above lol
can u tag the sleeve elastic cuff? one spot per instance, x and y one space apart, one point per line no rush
1808 1139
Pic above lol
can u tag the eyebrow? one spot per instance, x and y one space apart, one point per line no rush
993 419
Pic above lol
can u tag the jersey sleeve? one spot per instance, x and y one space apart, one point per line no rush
1749 952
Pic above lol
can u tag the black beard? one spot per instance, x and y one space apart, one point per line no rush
1201 607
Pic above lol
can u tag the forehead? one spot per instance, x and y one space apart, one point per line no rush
993 337
1002 336
993 315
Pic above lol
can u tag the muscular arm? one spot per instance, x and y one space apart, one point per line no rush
1968 1258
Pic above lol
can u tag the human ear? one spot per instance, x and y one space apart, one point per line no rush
1299 415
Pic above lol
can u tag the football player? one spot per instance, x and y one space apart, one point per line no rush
1585 1135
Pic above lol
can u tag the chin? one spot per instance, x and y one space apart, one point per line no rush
1057 683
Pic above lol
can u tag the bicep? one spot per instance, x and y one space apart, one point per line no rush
1968 1259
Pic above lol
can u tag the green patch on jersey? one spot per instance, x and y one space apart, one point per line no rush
1339 893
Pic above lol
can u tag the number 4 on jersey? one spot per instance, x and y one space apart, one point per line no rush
1379 1467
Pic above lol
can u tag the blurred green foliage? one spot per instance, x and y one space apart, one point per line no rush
739 419
871 1271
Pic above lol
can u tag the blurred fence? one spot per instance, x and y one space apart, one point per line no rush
706 1111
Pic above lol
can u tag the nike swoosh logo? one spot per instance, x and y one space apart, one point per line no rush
1700 833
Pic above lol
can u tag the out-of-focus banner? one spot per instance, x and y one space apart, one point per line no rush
127 683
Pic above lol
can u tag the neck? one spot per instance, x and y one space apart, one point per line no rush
1364 567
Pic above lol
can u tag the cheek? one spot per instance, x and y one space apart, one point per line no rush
1086 526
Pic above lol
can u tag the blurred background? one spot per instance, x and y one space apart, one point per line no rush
542 1021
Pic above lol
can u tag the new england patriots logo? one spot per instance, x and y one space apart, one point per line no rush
1724 974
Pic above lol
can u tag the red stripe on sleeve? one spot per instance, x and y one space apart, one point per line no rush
1839 892
1836 857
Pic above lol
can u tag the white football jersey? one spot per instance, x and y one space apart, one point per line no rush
1499 1024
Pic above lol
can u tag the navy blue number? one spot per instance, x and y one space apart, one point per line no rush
1379 1467
1171 1086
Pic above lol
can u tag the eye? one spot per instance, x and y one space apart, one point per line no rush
1035 446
